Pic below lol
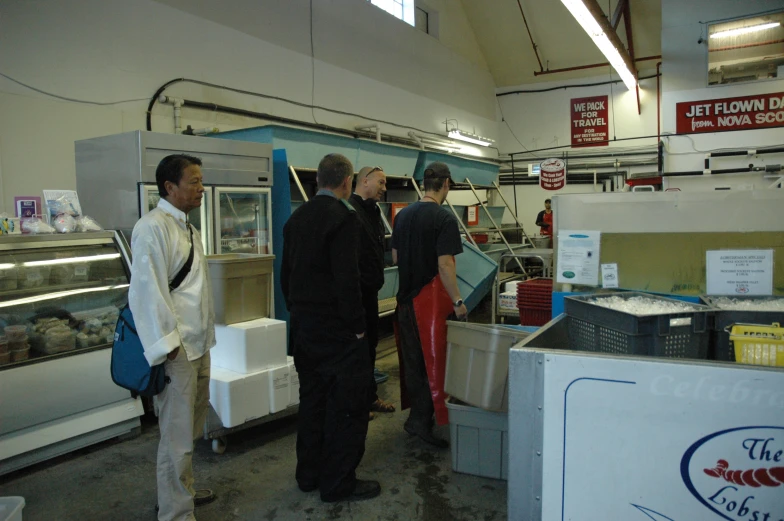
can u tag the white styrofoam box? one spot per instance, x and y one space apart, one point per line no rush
511 286
238 398
248 347
11 508
508 300
293 382
279 384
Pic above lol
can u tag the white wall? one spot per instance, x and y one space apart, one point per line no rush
684 78
543 119
367 62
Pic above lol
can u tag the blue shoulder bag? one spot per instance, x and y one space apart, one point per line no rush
129 368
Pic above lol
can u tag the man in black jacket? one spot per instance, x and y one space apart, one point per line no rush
321 284
371 186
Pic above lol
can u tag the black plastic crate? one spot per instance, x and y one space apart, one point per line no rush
672 335
720 347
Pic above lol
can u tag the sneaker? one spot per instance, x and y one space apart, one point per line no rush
363 489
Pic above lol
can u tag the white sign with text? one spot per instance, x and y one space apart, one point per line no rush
739 272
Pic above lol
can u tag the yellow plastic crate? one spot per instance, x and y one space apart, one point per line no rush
758 345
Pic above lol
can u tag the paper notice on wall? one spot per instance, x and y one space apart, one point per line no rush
610 275
739 272
578 257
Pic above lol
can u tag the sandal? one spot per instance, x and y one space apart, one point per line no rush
382 406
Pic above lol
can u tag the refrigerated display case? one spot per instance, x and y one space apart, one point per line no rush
243 220
60 296
115 178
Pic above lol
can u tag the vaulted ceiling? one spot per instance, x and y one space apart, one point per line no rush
501 34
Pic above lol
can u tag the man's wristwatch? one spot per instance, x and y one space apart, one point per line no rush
457 303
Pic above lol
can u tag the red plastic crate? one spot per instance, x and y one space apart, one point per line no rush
534 317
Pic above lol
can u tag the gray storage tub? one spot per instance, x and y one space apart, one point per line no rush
477 363
479 440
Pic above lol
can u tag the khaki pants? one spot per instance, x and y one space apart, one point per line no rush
182 411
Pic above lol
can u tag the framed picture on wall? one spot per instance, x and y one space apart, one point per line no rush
27 206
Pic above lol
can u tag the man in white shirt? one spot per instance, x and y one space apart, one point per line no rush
175 327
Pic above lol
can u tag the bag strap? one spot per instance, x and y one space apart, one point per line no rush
174 284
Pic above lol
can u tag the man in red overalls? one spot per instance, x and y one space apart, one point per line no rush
425 240
545 220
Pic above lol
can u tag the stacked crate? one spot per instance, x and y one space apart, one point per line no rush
535 301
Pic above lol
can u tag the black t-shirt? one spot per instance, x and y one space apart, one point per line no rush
422 233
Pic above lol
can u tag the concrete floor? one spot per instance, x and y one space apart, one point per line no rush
254 478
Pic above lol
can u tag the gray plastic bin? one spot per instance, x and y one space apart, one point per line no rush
479 440
720 346
477 363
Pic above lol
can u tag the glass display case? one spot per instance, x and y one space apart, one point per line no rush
243 220
60 296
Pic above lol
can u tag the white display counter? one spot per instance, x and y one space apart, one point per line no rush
596 438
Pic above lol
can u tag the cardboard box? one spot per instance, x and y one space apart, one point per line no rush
293 383
508 300
238 398
279 385
249 347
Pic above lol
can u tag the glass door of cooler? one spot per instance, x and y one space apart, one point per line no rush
199 218
243 220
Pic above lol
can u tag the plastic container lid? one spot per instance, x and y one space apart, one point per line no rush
15 332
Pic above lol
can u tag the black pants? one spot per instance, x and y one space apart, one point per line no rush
333 404
417 383
370 303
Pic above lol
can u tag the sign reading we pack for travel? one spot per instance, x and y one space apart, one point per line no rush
589 122
717 115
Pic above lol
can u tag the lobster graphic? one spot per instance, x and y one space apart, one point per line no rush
772 477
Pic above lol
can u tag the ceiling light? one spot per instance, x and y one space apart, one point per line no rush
591 26
745 30
470 138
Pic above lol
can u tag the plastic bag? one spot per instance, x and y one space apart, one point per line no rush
36 226
86 223
63 202
65 223
9 225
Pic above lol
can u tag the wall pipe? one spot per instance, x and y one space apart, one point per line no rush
583 156
658 102
749 169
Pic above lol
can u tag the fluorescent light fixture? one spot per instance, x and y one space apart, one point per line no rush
599 37
470 138
71 260
58 294
745 30
6 266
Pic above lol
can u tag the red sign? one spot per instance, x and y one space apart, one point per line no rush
589 122
553 174
718 115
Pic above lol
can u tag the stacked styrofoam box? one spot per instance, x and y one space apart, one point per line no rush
244 362
238 398
293 383
248 347
279 387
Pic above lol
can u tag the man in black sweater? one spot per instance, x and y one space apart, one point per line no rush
321 284
370 188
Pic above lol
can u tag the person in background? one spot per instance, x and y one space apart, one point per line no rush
320 279
545 220
175 328
425 240
370 188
